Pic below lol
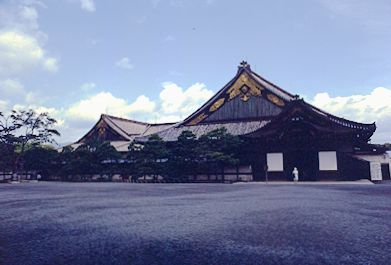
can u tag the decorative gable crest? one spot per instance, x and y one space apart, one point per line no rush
244 87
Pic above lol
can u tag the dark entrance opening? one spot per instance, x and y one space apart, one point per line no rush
306 162
300 144
385 171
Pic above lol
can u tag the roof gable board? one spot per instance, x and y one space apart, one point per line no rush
104 130
252 94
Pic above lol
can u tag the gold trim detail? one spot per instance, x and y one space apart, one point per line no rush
217 105
197 120
245 87
275 100
101 131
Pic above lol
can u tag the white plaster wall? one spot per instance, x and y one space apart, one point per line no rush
328 160
375 164
375 168
275 161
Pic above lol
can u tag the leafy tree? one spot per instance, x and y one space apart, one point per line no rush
23 130
220 149
41 159
134 159
33 128
184 156
7 129
92 157
6 143
152 157
7 157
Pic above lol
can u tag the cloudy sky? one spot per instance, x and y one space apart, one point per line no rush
158 60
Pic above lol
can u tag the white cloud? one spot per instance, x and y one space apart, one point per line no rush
172 97
165 119
30 15
51 65
142 105
15 92
373 107
3 105
22 17
35 97
20 52
36 108
88 5
104 102
176 100
10 87
21 41
124 63
174 104
365 108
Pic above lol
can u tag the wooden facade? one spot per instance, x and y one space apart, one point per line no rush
285 133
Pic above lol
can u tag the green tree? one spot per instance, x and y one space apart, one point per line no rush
23 130
7 157
7 129
7 148
134 160
42 160
220 149
152 157
184 156
92 157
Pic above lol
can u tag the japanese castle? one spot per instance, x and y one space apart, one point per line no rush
285 133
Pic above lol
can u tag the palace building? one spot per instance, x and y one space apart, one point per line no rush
285 132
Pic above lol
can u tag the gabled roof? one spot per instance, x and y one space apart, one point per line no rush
245 86
123 129
246 104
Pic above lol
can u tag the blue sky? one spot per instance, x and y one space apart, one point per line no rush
158 60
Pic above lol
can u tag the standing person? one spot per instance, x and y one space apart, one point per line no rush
295 174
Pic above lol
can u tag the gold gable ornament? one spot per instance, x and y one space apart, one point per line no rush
275 100
101 131
198 119
217 105
245 87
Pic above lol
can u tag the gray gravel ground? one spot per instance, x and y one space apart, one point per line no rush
121 223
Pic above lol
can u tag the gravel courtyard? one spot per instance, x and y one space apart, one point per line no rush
122 223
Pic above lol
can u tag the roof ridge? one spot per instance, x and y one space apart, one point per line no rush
274 85
124 119
115 127
164 123
138 122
